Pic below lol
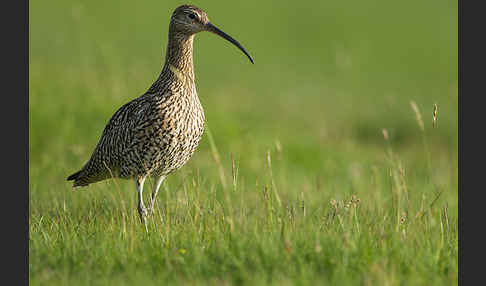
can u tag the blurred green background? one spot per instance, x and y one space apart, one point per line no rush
328 77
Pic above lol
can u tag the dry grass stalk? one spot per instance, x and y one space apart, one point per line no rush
216 157
274 187
418 115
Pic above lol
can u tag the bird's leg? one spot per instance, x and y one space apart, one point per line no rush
142 211
154 193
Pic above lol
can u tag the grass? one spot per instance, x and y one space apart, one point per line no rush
294 182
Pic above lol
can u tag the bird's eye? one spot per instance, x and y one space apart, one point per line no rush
192 16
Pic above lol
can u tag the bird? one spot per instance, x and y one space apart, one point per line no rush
156 133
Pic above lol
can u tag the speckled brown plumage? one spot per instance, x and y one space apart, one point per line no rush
156 133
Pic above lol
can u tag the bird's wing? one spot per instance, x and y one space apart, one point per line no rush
117 138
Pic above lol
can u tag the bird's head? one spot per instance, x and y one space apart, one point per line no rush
189 20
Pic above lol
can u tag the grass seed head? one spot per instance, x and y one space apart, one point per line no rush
418 115
278 146
333 203
385 133
434 121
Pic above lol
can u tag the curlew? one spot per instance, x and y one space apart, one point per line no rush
155 134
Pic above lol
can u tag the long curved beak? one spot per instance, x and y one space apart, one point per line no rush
213 29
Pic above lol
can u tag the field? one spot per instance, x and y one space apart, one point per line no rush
320 163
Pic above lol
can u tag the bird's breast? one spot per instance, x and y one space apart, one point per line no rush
181 130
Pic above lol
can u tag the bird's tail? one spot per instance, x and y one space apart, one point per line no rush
76 178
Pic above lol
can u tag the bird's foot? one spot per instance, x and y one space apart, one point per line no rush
143 213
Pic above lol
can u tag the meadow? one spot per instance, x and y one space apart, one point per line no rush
320 164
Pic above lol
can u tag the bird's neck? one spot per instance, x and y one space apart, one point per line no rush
179 66
179 58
